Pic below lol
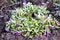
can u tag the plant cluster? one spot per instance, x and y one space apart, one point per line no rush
31 20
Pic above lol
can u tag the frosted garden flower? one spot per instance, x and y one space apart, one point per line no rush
41 36
46 16
17 24
23 31
43 23
48 34
44 4
17 33
23 19
45 34
7 29
58 24
24 3
10 21
51 27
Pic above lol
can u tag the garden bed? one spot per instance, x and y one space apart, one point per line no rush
10 34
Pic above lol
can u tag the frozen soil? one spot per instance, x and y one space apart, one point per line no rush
9 36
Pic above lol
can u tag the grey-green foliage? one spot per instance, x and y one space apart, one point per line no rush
23 20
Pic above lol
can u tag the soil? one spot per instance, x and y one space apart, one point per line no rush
9 36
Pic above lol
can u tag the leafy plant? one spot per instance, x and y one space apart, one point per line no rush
28 25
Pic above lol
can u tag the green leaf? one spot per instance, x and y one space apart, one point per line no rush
29 29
